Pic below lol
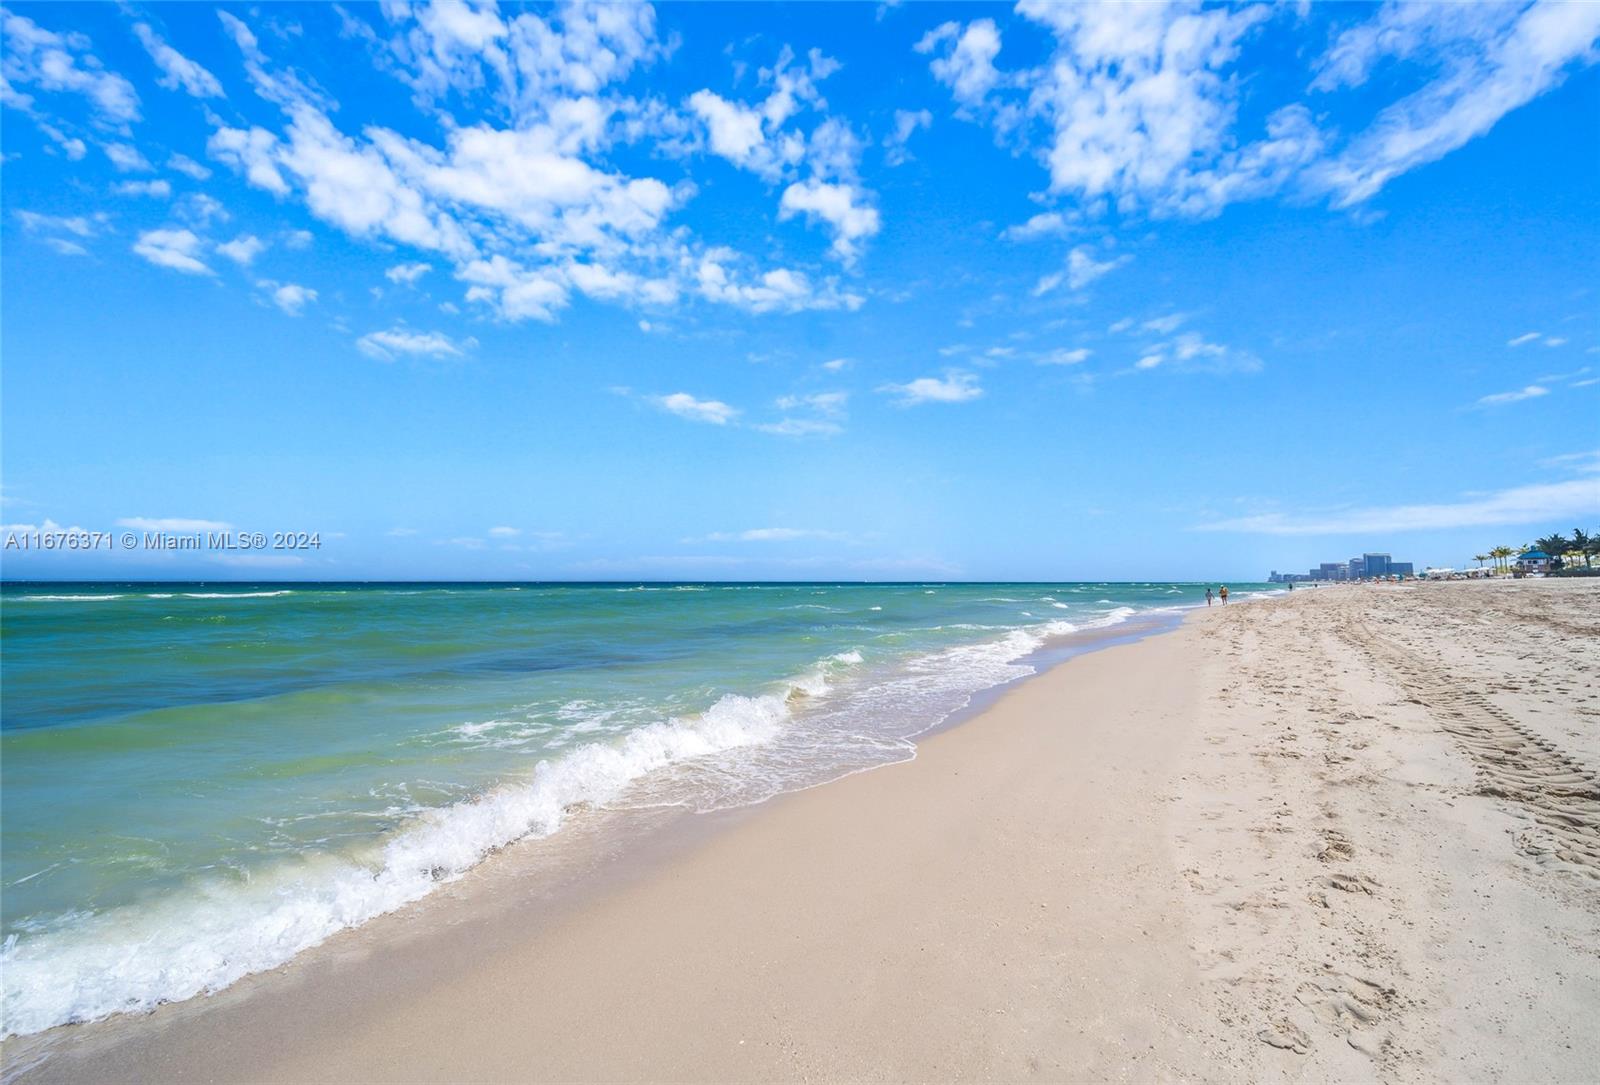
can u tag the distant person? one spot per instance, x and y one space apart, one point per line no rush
1223 592
1208 597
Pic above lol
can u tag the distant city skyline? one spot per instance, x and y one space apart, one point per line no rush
846 292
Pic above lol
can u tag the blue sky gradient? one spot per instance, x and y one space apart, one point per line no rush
800 291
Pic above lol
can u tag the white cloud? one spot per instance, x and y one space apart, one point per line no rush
772 534
34 222
735 130
1165 325
1495 59
967 66
184 164
781 289
254 151
243 249
71 146
687 406
1526 337
1082 269
41 58
177 69
835 365
544 189
954 387
386 346
831 404
1137 106
292 298
49 527
407 273
1044 224
1532 504
801 427
176 249
835 204
401 532
906 123
1065 357
1192 352
1532 391
158 189
505 532
127 158
145 523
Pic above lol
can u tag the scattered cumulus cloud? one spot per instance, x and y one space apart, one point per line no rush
1081 270
1065 356
127 158
1136 106
186 165
397 342
62 63
179 250
178 71
292 298
1044 224
243 249
158 189
407 273
684 405
955 386
906 123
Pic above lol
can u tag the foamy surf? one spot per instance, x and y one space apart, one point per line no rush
135 958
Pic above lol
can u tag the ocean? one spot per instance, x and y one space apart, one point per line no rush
200 781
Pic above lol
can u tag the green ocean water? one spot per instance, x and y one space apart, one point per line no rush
199 781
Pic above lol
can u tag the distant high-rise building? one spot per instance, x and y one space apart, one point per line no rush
1367 566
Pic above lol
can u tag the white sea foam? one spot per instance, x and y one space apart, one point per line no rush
235 594
133 958
65 598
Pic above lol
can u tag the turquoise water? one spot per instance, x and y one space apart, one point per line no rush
200 781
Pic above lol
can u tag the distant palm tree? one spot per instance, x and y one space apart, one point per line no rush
1585 544
1500 554
1480 559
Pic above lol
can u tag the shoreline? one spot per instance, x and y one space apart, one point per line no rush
1098 875
562 872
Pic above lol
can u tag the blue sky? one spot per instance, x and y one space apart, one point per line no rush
806 291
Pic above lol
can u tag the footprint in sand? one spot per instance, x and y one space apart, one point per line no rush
1285 1034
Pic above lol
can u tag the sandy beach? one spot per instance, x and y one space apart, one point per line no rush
1349 833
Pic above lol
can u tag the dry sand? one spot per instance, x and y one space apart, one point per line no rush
1351 833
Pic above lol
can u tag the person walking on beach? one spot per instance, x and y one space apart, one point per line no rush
1223 592
1208 597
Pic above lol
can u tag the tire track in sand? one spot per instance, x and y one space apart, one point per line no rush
1558 794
